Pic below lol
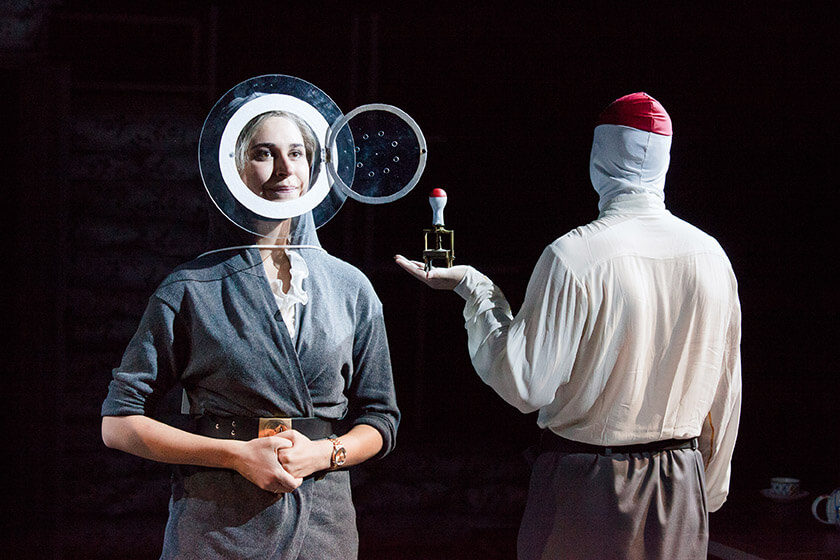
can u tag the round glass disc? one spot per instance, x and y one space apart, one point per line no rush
388 149
218 151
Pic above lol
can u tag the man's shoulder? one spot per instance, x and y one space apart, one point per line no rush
573 248
697 235
604 239
578 238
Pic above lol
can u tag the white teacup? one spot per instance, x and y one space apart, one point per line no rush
784 486
832 508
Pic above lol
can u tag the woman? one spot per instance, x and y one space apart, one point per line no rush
254 335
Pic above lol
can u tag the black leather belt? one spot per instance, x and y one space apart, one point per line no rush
549 441
244 428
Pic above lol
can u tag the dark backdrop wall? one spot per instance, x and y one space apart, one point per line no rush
102 107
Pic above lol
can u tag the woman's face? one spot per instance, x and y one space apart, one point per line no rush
275 166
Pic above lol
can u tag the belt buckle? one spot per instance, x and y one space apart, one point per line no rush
272 426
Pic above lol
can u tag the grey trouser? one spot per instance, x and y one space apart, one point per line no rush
642 506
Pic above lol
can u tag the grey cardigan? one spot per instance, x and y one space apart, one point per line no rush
213 326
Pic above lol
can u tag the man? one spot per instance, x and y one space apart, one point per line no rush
628 345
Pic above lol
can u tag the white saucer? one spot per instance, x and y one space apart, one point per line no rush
768 493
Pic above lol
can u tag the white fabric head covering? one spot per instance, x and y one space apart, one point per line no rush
631 149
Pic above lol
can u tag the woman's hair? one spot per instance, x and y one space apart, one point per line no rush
310 142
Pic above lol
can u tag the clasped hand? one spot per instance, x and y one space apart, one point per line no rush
279 463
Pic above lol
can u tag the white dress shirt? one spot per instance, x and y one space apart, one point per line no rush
629 333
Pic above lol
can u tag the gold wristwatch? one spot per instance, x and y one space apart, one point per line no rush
339 454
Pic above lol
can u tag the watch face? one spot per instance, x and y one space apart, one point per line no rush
340 456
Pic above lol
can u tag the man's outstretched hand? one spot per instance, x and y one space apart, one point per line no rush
437 278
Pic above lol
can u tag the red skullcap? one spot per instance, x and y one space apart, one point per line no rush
637 110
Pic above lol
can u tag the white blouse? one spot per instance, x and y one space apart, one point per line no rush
286 301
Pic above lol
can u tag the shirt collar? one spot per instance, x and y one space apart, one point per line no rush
637 203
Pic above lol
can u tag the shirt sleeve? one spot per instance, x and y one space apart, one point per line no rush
525 358
148 367
717 437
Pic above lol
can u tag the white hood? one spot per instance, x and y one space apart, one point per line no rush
628 161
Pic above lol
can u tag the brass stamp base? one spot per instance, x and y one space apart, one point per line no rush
439 244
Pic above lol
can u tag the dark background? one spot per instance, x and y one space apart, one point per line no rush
102 108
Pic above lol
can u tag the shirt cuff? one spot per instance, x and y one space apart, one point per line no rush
472 282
